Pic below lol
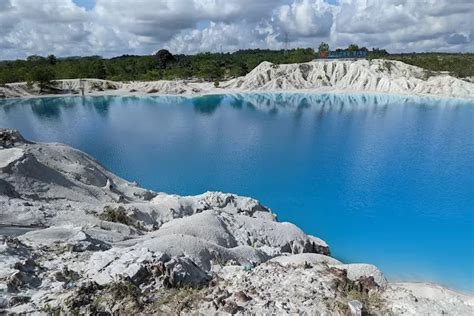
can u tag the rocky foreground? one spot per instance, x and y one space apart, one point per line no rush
99 244
376 76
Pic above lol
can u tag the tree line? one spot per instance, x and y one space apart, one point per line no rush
203 66
162 65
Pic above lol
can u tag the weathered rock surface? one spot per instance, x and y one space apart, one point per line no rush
75 238
377 75
105 245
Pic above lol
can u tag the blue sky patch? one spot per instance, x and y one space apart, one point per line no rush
86 4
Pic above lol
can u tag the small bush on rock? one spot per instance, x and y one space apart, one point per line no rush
175 301
117 215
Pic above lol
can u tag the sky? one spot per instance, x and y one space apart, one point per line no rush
116 27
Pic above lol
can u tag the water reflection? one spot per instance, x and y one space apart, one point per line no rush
101 104
334 102
321 103
50 108
208 104
297 103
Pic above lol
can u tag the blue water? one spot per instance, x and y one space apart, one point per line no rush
383 179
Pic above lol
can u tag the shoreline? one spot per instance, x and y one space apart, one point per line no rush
233 92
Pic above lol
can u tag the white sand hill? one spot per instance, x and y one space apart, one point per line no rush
375 76
106 246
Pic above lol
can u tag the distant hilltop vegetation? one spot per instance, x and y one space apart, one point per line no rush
353 51
210 66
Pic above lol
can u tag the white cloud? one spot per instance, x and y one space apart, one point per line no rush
114 27
31 27
307 18
213 38
402 25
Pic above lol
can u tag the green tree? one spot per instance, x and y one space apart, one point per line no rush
43 76
98 70
52 60
353 47
242 69
210 69
323 47
164 58
4 78
378 53
35 59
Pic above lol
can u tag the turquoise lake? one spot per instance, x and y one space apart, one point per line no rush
387 180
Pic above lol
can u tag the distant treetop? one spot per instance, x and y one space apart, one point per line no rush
353 47
323 47
164 58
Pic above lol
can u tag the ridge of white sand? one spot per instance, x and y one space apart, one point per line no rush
361 75
374 76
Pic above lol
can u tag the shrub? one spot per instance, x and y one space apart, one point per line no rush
117 215
43 76
174 301
164 58
387 65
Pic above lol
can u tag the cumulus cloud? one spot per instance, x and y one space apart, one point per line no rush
8 19
114 27
31 27
164 18
307 18
212 38
399 25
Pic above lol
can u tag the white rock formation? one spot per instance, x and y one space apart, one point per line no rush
107 245
376 76
361 75
305 258
357 270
